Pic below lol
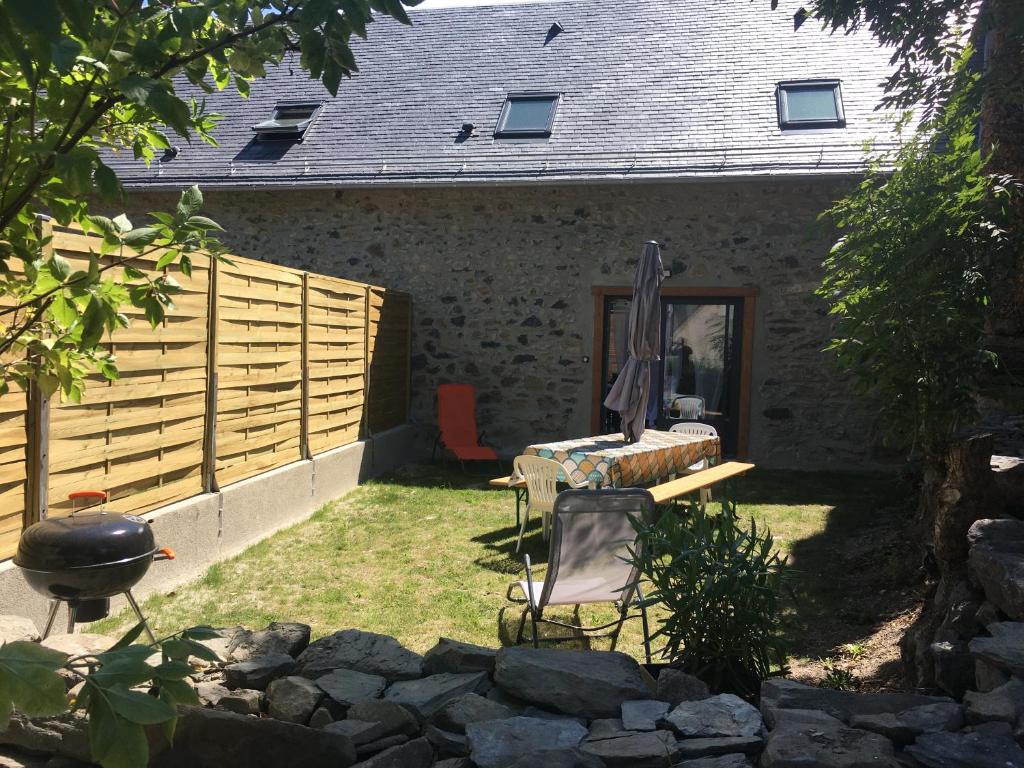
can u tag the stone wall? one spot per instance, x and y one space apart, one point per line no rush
501 280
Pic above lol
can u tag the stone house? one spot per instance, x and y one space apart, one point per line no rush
505 164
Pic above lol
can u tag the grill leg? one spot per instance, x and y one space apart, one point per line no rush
71 619
138 612
52 617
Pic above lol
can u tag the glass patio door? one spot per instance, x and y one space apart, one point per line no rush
697 378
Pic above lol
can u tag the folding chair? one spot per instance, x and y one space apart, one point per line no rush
456 418
588 562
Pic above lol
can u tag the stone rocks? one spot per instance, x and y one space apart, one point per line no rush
795 744
414 754
210 693
726 761
393 718
1002 704
79 644
278 638
779 693
996 563
695 748
676 686
243 701
966 750
585 683
556 758
425 696
904 727
458 658
362 732
722 715
954 667
643 715
208 738
17 629
321 717
656 749
469 708
293 699
362 651
258 673
66 735
499 743
346 686
1004 649
446 742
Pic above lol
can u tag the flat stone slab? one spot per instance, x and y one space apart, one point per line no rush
499 743
643 715
426 696
346 686
996 563
650 749
725 761
676 686
1005 649
359 731
290 638
966 750
902 728
362 651
258 673
780 693
293 699
1002 704
17 629
796 745
725 745
722 715
458 658
587 684
208 738
555 758
413 754
394 718
469 708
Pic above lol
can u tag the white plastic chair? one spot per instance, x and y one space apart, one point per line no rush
588 561
697 430
542 480
687 406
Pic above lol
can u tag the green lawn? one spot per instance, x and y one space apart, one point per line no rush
427 553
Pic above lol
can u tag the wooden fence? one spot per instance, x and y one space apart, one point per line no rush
256 367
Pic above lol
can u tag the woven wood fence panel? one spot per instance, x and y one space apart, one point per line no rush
139 438
336 333
259 368
388 356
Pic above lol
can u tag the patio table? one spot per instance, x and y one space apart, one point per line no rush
608 461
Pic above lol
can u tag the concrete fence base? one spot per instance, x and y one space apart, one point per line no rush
210 527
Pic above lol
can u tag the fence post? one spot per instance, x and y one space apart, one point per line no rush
304 452
368 306
210 421
37 476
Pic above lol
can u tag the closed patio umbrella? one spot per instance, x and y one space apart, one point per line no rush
631 390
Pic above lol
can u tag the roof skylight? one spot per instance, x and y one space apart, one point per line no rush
289 120
527 115
811 104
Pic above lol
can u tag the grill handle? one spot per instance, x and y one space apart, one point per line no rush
164 553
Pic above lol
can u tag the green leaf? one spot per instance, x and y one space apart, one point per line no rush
63 311
108 184
202 222
36 17
129 637
29 680
140 237
190 203
137 707
64 52
114 741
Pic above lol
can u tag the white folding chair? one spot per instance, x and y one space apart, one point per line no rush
542 480
697 430
588 561
687 407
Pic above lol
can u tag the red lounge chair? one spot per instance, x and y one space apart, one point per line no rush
456 418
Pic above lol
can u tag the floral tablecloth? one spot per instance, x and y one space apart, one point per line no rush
609 461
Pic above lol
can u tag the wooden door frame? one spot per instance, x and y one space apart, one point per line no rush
749 301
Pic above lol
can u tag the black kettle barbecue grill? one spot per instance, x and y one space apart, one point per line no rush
86 558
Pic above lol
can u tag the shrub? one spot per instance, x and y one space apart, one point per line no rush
720 585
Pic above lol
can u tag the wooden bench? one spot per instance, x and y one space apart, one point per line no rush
705 478
519 486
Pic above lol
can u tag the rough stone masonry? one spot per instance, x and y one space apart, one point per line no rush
502 279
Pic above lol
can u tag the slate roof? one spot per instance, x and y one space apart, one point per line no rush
652 90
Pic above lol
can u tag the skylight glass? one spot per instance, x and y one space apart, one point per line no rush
289 121
527 115
811 104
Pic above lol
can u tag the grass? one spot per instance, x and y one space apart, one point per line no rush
427 553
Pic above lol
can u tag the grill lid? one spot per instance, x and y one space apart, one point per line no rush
84 540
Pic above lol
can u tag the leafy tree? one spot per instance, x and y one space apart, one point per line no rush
80 78
910 279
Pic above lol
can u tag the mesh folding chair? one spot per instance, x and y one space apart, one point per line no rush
687 407
588 562
456 418
697 430
541 477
